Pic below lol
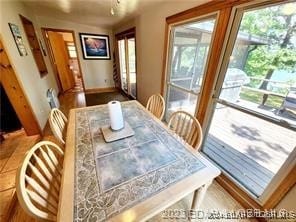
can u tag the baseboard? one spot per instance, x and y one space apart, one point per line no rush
101 90
237 194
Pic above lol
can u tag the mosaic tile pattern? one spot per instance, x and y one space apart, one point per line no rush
112 177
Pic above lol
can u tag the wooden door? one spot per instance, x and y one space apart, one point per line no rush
61 60
16 95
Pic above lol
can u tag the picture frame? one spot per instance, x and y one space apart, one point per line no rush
18 39
95 46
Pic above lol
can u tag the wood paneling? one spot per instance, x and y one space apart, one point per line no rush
34 45
16 95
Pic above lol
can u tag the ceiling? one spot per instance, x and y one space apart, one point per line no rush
90 12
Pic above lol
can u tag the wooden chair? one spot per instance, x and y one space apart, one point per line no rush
156 105
58 122
187 127
38 181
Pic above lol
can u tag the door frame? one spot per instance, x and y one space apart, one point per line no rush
166 79
119 36
16 93
49 50
205 106
284 178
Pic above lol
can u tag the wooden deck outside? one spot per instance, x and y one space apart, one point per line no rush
250 149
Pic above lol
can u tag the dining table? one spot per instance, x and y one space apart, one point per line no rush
131 179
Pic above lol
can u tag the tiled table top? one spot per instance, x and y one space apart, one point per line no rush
112 177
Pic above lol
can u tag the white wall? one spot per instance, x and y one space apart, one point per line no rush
96 73
150 30
25 67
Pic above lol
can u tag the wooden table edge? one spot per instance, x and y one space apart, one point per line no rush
66 199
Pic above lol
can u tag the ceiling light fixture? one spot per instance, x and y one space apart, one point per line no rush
112 11
113 6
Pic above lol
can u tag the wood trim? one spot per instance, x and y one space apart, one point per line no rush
239 195
78 59
285 186
129 33
214 57
125 33
117 62
165 58
16 95
51 59
34 44
127 66
101 90
203 9
225 9
48 46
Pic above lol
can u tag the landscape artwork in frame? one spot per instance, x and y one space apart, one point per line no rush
18 39
95 46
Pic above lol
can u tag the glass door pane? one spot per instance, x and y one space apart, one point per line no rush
132 66
122 62
188 54
252 132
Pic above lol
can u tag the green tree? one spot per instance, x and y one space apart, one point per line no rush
278 28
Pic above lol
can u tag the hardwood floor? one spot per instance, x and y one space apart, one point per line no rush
12 152
216 197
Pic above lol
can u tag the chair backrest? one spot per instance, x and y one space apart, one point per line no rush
38 181
156 105
58 124
187 127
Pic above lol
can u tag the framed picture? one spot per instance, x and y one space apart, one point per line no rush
95 46
18 39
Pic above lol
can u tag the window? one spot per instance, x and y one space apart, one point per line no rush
126 52
71 50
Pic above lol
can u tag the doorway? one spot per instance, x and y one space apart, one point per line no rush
251 135
9 120
126 54
16 111
246 101
188 54
62 48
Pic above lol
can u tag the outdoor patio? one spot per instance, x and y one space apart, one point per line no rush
250 149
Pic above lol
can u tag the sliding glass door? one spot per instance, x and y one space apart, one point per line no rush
235 70
189 49
127 63
252 133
